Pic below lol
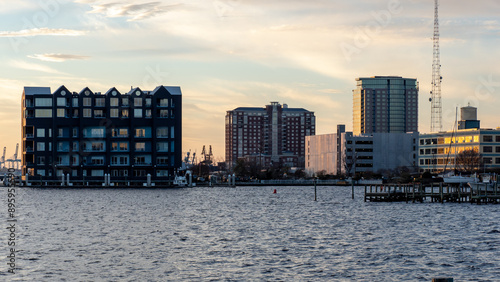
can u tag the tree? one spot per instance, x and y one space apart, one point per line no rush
468 160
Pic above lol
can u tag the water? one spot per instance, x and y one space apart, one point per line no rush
246 233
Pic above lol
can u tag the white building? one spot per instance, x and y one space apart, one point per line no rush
346 153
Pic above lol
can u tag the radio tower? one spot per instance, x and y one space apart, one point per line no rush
436 108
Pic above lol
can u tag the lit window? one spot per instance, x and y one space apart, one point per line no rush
125 113
140 147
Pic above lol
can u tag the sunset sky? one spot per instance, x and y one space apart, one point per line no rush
230 53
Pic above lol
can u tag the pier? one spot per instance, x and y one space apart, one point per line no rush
433 192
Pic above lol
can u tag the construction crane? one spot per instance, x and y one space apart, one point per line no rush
436 107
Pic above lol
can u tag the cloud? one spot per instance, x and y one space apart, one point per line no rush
57 57
33 67
42 31
134 12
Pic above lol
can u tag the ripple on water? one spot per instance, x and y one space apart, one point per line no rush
249 233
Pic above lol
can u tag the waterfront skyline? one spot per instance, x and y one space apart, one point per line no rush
229 54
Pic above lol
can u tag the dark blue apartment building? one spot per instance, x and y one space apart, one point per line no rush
87 134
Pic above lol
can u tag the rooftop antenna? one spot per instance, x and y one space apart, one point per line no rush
436 107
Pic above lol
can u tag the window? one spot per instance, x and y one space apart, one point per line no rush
61 102
487 149
61 113
113 102
497 149
140 146
162 132
162 160
125 102
75 113
87 102
43 113
74 160
139 160
162 173
43 102
60 132
162 146
119 132
97 146
487 160
97 160
97 172
119 160
40 172
75 102
100 102
75 131
137 102
123 146
113 113
87 113
97 132
40 132
148 102
98 113
114 146
163 114
172 132
139 172
137 113
163 102
75 146
487 138
497 160
140 132
148 113
125 113
40 146
497 138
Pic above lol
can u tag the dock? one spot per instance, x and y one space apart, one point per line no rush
433 192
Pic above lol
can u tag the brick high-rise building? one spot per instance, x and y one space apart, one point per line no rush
274 134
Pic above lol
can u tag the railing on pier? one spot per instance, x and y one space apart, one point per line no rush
435 192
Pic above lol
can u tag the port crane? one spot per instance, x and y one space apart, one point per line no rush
14 161
3 157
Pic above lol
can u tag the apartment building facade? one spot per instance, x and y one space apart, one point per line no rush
89 134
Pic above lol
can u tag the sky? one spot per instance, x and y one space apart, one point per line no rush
235 53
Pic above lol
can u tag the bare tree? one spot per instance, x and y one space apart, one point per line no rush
349 162
468 160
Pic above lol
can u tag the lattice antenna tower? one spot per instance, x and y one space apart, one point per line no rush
436 106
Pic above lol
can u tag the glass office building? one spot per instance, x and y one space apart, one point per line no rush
385 104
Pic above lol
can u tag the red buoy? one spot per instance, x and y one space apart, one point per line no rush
274 191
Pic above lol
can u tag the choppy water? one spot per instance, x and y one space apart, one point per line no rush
247 233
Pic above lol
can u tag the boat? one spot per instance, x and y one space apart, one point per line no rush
451 178
486 183
180 180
